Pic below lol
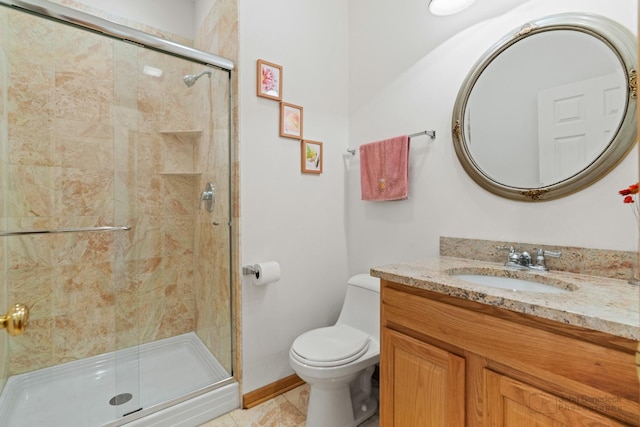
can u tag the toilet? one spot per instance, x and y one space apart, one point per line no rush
338 361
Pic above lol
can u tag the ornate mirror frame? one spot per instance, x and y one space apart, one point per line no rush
621 41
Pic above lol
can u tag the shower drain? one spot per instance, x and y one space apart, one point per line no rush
120 399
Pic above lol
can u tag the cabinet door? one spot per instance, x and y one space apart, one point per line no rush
421 385
511 403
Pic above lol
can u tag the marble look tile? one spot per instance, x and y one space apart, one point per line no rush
219 30
83 192
149 192
33 287
78 287
125 58
178 235
84 145
28 251
178 155
31 138
81 248
91 56
596 262
299 397
24 36
125 204
4 346
148 157
162 108
212 287
31 191
181 196
223 421
288 409
82 97
178 316
124 242
126 322
275 412
30 100
151 312
147 237
34 350
83 333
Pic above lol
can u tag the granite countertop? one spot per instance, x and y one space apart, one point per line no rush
599 303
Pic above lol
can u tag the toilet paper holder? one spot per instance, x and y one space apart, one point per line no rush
249 270
262 273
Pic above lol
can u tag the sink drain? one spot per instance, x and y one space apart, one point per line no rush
121 398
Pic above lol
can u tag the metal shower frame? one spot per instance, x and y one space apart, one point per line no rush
121 32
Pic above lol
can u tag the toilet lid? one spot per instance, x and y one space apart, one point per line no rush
331 346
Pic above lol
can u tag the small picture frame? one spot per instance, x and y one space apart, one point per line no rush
290 121
269 80
311 156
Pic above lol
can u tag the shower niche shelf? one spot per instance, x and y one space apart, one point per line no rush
180 149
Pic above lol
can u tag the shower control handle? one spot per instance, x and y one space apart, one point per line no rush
208 196
16 320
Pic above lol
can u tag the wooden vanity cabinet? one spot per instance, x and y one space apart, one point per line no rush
427 385
447 361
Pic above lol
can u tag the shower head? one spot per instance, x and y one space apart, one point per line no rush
191 79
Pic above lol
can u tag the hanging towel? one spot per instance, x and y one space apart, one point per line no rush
384 169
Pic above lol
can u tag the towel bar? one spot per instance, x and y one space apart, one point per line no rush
431 133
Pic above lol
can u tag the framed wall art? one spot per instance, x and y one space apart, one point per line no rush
311 156
290 120
269 80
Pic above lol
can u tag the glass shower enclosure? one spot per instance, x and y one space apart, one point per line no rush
115 223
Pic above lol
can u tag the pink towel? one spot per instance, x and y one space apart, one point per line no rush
384 169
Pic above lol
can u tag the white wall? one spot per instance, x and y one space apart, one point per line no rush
293 218
417 92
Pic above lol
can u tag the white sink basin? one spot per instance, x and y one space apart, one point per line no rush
510 283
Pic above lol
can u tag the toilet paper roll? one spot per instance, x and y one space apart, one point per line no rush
266 272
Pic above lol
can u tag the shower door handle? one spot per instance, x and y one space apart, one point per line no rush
208 196
16 320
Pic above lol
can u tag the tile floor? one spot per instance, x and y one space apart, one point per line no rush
286 410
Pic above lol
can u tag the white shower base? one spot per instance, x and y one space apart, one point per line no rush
172 382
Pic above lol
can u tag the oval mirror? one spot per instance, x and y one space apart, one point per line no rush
550 108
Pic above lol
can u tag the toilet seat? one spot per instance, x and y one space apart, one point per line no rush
330 346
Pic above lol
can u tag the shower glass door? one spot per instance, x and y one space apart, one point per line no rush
108 233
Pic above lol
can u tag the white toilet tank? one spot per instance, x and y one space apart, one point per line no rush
361 307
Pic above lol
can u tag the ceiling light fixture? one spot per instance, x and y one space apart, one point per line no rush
448 7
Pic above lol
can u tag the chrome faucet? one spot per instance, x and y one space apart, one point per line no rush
524 261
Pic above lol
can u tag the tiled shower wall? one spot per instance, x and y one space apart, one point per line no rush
218 34
86 148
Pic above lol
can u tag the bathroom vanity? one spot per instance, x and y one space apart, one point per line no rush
455 353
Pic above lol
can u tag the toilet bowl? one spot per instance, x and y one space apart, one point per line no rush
338 361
